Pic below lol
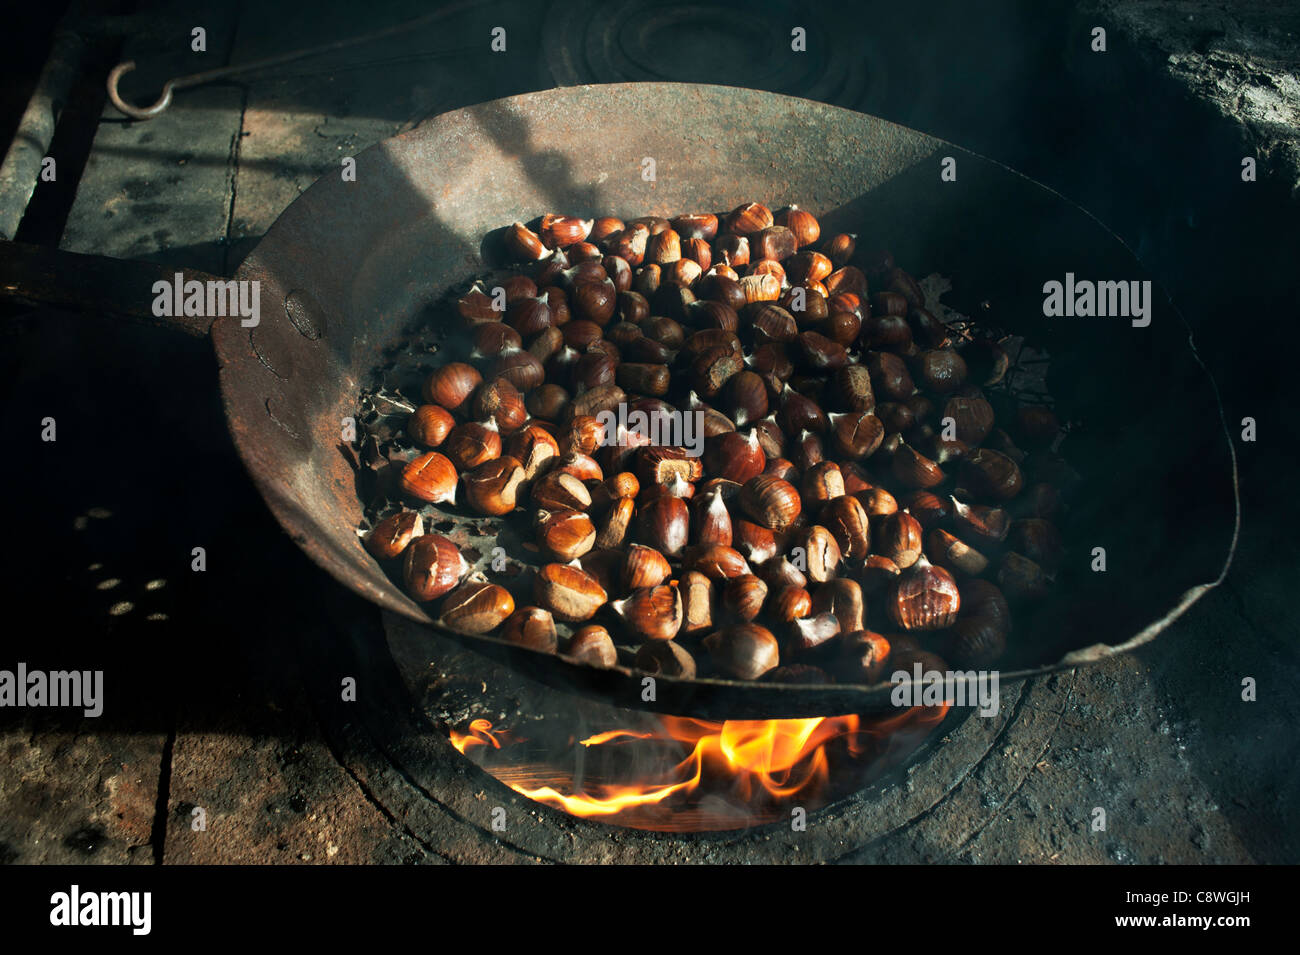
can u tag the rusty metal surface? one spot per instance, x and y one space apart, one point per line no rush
355 262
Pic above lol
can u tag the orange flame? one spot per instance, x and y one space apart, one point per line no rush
750 759
480 734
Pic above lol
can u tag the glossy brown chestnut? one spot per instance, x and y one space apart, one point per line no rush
820 553
476 606
748 218
898 537
848 524
472 443
924 598
801 223
593 646
664 523
429 425
432 566
451 385
500 401
531 627
565 534
430 477
390 537
744 596
841 597
770 501
652 613
569 593
745 651
492 488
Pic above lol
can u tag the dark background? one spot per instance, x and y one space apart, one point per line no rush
143 469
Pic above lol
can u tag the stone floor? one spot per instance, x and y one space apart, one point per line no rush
211 675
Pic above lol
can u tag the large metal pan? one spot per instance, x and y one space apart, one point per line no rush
350 265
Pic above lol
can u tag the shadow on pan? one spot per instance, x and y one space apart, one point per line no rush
354 263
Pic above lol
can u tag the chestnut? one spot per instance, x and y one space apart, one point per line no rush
492 487
499 401
928 508
770 501
559 490
432 566
430 477
863 656
734 456
953 553
889 376
972 418
531 627
451 385
856 434
390 537
941 370
664 524
652 613
822 482
744 596
775 243
719 562
665 658
745 651
841 597
696 225
472 443
616 523
593 646
569 593
712 520
803 225
698 600
791 603
644 567
565 534
476 606
849 524
429 425
809 633
991 474
821 552
898 537
1021 579
748 218
756 543
987 524
924 598
524 244
914 469
877 502
839 248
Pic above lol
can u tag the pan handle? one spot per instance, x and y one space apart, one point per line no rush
97 284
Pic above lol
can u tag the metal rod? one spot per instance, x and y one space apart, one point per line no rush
224 72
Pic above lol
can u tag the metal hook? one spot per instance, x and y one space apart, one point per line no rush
136 112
